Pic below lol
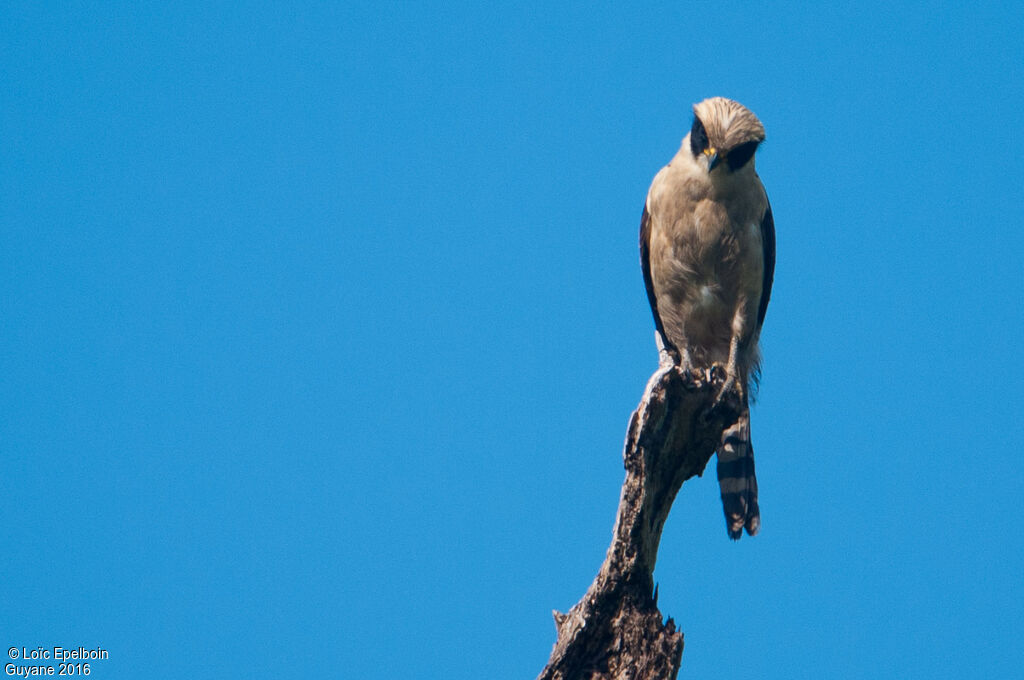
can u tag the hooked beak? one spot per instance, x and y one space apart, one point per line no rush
713 158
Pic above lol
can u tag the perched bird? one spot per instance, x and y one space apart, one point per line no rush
707 248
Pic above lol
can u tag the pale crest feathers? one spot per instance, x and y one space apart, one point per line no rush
728 123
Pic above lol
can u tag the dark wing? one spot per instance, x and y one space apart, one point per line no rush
768 244
645 264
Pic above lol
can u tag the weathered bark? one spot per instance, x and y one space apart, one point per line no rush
616 632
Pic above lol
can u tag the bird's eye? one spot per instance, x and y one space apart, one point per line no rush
741 155
698 137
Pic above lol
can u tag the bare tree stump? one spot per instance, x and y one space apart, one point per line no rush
616 632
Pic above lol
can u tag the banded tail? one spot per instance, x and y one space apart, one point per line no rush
736 479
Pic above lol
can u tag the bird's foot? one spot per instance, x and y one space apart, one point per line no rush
670 358
716 375
730 391
693 378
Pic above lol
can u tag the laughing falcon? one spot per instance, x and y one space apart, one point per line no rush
707 248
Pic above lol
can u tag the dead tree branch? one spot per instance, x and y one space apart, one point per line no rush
616 632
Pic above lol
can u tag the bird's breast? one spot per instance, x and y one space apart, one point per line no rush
706 264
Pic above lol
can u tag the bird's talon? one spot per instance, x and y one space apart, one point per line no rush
692 378
729 395
716 375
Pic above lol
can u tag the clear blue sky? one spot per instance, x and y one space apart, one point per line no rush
321 324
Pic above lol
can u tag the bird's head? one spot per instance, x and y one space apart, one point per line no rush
725 134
